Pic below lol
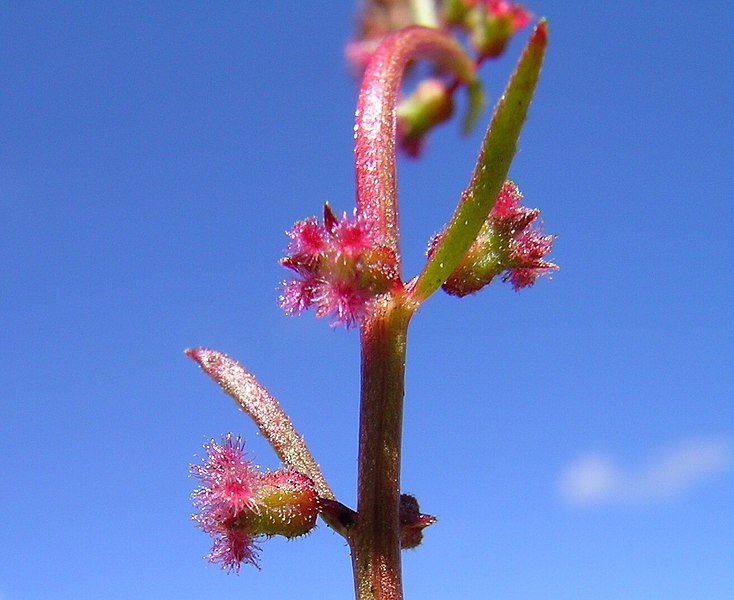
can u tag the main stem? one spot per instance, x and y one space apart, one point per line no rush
375 537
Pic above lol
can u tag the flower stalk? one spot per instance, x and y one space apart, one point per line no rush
375 128
349 268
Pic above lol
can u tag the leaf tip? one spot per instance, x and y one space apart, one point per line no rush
202 356
193 353
540 33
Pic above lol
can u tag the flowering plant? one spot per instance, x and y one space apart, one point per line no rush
348 268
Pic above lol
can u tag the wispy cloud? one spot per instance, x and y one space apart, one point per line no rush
595 479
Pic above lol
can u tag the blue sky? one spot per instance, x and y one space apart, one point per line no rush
576 440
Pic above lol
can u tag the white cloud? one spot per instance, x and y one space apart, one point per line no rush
597 479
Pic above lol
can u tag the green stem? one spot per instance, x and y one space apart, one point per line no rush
375 537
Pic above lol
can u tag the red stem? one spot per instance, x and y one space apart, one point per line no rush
375 536
375 128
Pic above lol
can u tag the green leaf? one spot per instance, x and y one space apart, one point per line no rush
496 153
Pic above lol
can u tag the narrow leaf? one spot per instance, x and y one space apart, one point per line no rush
498 149
269 417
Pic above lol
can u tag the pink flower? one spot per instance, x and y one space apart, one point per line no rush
346 301
339 268
507 245
232 548
228 485
527 245
238 504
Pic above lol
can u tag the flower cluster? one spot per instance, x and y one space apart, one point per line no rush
486 25
236 503
340 268
489 24
507 243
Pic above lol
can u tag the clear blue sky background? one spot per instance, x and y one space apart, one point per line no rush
574 439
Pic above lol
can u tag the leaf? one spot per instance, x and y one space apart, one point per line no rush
269 417
496 153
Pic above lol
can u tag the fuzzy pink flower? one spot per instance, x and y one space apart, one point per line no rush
527 246
227 479
339 268
307 238
237 504
232 548
345 301
508 245
228 485
298 294
350 237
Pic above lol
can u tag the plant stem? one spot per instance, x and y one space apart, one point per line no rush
375 537
375 127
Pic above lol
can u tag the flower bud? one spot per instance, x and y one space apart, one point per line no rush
491 23
287 505
412 522
429 105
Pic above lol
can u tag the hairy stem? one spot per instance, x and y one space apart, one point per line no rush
375 537
374 130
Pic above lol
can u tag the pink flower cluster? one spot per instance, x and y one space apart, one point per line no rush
228 485
507 245
517 15
339 268
527 245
